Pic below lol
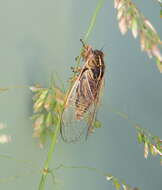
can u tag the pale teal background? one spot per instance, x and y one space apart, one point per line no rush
38 37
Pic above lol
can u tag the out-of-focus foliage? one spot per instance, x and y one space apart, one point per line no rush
3 89
4 138
119 184
47 107
152 144
159 65
116 182
161 13
130 17
160 3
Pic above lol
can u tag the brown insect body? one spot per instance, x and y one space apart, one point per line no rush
83 98
94 71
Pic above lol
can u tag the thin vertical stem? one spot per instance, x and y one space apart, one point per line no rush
93 20
49 156
91 26
45 171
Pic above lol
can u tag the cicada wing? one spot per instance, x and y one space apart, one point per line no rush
73 130
94 108
78 111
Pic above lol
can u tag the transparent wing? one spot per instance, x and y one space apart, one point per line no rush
97 102
80 109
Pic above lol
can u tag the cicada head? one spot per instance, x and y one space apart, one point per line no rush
87 53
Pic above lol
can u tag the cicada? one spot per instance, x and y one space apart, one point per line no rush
81 104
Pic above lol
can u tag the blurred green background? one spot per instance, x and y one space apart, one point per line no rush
40 37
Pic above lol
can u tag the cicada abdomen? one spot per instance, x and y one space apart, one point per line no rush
82 100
